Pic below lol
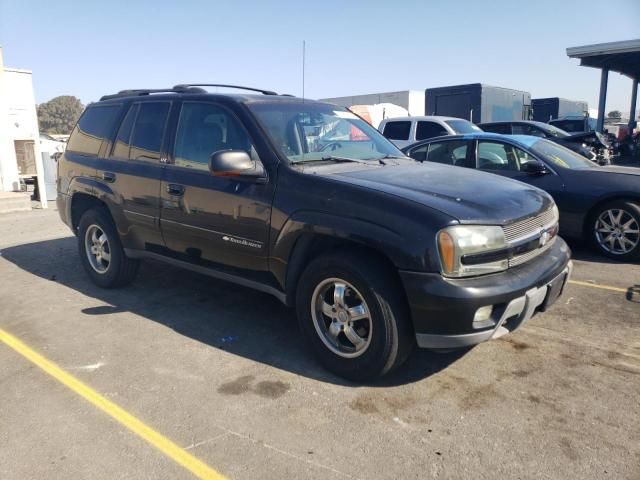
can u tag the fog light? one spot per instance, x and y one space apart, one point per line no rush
482 318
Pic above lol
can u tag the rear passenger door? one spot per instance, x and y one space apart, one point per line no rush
218 222
448 152
133 169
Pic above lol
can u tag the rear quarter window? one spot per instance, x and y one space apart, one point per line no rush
95 124
397 130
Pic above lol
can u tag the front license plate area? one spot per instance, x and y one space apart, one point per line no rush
554 289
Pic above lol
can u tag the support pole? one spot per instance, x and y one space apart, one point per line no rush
602 102
632 110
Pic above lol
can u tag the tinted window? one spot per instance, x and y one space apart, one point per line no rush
419 153
523 129
426 130
463 126
397 130
96 124
452 152
148 131
203 129
123 138
503 128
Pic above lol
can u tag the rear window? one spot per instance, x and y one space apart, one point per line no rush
397 130
96 124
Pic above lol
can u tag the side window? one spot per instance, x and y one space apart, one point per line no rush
503 128
148 131
96 124
523 157
520 129
426 130
397 130
496 156
453 152
419 153
203 129
122 144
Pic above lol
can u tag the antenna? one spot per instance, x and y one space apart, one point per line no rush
304 48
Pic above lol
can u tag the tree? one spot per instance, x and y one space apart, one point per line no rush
614 114
60 114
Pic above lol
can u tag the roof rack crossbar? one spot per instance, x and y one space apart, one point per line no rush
239 87
135 92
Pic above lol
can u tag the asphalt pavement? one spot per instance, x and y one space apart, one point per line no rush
222 374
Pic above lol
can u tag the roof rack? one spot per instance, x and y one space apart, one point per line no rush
147 91
239 87
182 88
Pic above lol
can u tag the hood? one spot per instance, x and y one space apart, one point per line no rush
468 195
587 137
620 170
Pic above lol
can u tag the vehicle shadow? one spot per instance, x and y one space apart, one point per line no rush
580 250
235 319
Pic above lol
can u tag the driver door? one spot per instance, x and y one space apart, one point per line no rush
209 220
508 160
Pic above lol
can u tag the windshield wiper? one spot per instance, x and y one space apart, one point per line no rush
354 160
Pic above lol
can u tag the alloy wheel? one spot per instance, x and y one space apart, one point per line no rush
617 231
97 247
341 317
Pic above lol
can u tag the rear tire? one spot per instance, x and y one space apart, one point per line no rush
367 334
614 230
101 251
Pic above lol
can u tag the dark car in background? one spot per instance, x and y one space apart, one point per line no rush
543 130
598 204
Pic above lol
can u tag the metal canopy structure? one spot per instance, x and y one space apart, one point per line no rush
622 57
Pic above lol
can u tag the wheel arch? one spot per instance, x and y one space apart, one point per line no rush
623 197
303 239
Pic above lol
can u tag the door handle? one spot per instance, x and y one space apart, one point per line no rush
175 189
109 177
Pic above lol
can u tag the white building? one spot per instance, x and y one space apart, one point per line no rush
19 135
411 100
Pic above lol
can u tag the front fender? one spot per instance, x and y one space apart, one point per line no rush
305 225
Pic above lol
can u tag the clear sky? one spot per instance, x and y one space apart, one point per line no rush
90 48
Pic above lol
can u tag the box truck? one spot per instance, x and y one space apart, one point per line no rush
478 103
545 109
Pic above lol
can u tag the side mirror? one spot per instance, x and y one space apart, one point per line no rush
235 163
535 168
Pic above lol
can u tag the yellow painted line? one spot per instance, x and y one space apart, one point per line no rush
595 285
166 446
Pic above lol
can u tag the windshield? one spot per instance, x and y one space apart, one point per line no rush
560 156
306 132
463 126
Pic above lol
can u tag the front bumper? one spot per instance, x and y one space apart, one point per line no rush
443 309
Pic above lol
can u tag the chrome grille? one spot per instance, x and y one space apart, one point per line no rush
525 257
530 226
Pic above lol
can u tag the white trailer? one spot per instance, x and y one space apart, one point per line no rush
410 100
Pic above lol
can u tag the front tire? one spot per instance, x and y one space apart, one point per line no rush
101 251
614 229
354 316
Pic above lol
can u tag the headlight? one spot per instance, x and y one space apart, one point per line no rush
467 250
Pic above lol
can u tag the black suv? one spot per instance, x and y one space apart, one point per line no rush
308 202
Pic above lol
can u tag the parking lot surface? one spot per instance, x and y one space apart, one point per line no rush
222 372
